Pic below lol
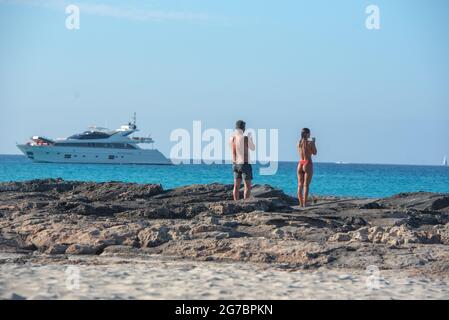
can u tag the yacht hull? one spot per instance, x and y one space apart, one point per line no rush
56 154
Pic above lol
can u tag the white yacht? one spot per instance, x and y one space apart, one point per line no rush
96 145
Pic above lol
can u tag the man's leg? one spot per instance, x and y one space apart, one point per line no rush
247 192
247 178
237 183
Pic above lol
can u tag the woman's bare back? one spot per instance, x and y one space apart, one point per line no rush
305 152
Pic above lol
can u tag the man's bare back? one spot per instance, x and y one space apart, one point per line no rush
241 167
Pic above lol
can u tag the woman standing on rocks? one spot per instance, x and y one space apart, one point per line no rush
306 148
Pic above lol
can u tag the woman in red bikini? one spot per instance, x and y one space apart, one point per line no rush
306 149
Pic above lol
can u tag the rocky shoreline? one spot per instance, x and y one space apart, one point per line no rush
45 219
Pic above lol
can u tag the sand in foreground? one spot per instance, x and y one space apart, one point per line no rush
162 278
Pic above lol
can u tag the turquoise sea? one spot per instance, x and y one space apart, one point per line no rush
364 180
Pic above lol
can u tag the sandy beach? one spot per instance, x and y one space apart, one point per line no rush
165 278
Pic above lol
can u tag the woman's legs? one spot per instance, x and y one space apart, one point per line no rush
300 173
308 174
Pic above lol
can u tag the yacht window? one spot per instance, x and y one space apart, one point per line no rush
97 145
90 135
68 156
111 157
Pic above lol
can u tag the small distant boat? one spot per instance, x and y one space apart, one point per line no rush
445 161
340 162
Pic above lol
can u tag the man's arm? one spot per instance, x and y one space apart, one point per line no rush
234 151
251 145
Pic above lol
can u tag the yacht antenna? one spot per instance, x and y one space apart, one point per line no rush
134 119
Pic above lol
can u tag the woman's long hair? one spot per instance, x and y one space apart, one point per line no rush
305 132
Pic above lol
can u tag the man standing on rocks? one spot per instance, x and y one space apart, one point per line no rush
241 167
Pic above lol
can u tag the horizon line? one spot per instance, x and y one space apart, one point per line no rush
289 161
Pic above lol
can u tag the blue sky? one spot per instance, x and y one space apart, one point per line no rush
370 96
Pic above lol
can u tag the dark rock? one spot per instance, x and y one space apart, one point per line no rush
267 191
57 185
57 249
418 200
372 205
84 249
96 209
15 296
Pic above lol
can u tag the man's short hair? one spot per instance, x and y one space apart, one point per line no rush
240 124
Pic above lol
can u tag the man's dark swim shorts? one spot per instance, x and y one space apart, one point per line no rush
244 170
